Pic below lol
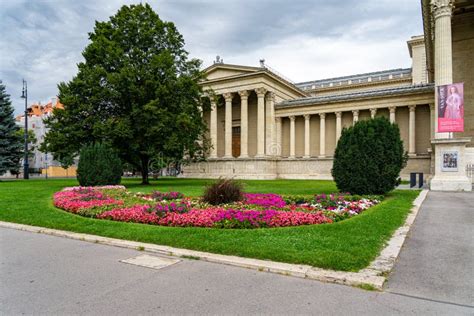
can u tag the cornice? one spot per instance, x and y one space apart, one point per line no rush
255 74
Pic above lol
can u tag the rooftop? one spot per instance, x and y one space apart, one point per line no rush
37 109
354 79
418 88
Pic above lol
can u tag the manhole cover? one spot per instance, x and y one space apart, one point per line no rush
151 261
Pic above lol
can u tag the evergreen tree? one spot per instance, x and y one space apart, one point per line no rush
136 90
369 157
11 143
98 165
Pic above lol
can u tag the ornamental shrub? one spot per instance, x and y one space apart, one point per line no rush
98 165
223 191
369 157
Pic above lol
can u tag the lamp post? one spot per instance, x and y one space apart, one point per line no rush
24 95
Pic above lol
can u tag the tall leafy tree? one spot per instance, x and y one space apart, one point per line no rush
11 143
137 90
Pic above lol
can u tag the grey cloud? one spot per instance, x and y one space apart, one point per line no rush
42 40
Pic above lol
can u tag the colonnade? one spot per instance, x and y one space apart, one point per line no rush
269 127
338 114
265 126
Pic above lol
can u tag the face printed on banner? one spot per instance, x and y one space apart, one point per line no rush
451 108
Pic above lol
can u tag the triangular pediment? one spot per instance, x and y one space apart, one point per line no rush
218 71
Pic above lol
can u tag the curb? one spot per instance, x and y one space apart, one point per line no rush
388 256
372 277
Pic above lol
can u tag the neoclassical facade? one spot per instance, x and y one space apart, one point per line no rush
264 126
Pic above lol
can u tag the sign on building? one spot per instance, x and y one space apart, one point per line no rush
451 108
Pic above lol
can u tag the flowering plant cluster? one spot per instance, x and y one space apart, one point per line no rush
136 214
82 198
160 196
344 204
217 217
103 187
181 206
257 210
264 199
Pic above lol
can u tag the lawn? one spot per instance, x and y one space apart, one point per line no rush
349 245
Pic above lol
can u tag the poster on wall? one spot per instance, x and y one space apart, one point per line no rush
451 108
450 161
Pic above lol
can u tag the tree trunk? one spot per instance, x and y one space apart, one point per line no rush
144 160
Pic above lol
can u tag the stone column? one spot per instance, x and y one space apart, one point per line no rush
355 116
307 118
338 125
270 123
373 112
278 135
244 126
213 128
260 121
443 67
322 135
228 125
411 131
392 110
292 137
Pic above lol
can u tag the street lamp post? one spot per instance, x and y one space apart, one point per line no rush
24 95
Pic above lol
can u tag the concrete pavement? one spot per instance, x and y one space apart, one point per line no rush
43 274
437 259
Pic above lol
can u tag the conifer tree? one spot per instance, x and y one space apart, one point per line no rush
11 142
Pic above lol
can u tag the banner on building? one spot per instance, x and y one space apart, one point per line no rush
451 108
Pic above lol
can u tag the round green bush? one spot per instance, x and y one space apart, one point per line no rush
369 157
98 165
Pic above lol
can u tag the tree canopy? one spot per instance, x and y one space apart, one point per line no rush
11 142
136 90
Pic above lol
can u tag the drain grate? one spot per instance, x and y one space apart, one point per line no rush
150 261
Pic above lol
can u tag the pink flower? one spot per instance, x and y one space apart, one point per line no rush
264 199
80 198
136 214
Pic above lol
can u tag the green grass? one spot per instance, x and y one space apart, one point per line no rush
349 245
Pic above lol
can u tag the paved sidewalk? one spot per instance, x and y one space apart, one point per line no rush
43 274
437 259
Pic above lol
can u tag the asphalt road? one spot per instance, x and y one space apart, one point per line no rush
46 275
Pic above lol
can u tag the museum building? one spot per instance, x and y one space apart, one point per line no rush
263 126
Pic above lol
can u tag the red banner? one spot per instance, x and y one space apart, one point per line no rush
451 108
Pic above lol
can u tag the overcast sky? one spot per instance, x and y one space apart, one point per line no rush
42 40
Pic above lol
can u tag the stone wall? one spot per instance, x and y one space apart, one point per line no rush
463 67
312 168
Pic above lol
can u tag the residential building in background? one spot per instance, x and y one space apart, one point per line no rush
43 163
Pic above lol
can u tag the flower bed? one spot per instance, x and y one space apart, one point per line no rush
75 199
256 210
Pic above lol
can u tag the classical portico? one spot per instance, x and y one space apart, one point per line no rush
236 128
242 122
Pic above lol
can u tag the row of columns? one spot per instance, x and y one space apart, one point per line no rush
322 131
265 126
